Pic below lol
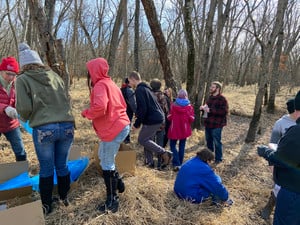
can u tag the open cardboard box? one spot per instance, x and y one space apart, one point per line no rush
125 160
27 214
27 211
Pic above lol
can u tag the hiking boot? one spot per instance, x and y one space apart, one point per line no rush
166 158
267 210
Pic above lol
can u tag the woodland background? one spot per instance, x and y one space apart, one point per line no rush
180 41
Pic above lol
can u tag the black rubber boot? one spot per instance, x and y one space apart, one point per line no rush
267 210
63 187
112 199
46 187
121 185
21 158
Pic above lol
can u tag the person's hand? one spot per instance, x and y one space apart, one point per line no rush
11 112
261 150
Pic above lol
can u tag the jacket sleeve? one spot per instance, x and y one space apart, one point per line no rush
276 134
23 99
131 99
191 114
141 110
216 187
98 104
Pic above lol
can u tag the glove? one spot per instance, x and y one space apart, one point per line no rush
11 112
261 150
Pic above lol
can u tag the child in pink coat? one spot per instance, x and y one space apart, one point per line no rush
181 117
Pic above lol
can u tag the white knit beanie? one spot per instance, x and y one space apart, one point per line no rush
28 56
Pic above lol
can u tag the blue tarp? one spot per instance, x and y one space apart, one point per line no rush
76 168
26 126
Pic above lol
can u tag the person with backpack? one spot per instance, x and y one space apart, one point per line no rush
129 96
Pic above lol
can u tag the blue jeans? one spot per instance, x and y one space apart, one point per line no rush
108 150
177 155
15 138
213 142
52 144
287 208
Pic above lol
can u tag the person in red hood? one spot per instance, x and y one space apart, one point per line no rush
181 116
9 123
111 123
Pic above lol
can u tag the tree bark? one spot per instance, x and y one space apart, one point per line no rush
53 54
266 55
136 35
114 43
188 29
160 42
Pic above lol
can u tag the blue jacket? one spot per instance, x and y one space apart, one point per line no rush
196 181
148 111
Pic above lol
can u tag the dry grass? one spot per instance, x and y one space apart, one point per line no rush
149 197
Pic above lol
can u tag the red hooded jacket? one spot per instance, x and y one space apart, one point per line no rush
181 118
107 105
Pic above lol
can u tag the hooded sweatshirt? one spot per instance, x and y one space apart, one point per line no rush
280 127
181 118
41 98
107 105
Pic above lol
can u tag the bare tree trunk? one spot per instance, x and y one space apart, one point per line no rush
188 28
136 35
51 52
266 55
125 38
11 25
160 42
115 39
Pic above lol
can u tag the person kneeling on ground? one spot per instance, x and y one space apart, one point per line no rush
196 181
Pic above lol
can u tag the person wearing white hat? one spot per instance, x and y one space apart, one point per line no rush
42 100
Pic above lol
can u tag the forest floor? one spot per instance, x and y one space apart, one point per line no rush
149 197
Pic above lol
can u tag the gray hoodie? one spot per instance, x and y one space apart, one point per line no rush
280 127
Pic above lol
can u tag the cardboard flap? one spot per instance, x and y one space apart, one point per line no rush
27 214
75 152
10 170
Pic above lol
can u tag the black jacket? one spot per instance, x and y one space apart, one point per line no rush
148 111
286 159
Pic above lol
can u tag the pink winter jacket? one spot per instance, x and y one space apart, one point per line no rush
6 123
107 105
181 118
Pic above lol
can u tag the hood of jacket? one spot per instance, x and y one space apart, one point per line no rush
39 75
98 69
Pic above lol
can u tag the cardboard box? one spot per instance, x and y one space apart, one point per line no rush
11 170
125 160
27 214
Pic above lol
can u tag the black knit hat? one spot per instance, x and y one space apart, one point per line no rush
290 105
297 101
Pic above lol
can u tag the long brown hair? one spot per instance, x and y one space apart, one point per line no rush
89 81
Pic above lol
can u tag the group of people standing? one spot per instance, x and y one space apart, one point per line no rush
38 95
